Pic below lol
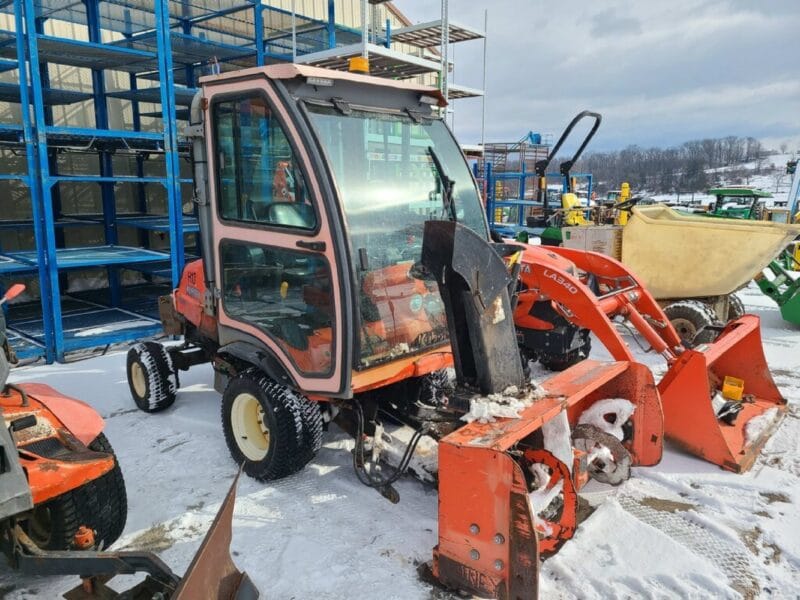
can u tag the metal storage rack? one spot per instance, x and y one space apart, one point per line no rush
160 48
18 139
167 42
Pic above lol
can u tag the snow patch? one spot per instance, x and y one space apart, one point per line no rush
498 314
111 328
558 438
392 442
758 425
542 496
506 405
597 412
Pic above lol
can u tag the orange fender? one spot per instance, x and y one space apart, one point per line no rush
80 419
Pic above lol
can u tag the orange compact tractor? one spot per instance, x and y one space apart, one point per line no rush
71 474
719 399
344 292
62 500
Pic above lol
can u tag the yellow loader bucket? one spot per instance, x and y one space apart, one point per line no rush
683 256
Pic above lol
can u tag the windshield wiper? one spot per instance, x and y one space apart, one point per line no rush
447 185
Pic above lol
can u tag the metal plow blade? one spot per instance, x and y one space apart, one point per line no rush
692 381
493 523
212 574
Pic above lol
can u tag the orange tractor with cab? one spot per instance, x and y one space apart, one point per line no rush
347 290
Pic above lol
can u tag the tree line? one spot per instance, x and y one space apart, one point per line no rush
685 168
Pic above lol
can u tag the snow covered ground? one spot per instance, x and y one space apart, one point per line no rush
682 529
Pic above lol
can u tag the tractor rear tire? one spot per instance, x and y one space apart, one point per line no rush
735 308
101 505
152 378
270 429
692 320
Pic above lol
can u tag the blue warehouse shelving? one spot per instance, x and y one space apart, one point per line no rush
18 140
103 233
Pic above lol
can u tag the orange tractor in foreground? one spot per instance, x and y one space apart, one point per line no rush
63 502
347 264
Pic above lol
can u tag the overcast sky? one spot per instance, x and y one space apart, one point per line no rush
660 71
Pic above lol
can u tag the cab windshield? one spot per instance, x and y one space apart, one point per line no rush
389 185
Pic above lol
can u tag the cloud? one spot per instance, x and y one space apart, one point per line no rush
609 22
662 72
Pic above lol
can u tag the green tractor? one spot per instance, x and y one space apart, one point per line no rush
779 284
738 202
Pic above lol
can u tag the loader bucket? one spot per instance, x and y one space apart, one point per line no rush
490 536
687 389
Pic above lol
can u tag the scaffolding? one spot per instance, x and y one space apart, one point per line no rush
98 225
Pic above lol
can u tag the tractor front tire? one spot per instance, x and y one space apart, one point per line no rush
100 504
693 320
735 308
270 429
152 379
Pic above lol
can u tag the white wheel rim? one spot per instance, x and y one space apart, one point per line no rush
249 427
138 380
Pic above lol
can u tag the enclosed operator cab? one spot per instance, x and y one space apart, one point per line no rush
322 183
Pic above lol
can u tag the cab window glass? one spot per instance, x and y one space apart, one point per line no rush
287 294
259 177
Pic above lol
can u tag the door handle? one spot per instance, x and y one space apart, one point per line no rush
315 246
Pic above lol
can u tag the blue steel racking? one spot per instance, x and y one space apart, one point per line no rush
171 42
491 178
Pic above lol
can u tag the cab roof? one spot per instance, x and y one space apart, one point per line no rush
291 71
739 192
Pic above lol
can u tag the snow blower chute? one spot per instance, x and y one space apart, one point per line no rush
508 486
719 399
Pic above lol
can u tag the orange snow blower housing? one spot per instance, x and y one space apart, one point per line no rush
593 292
350 301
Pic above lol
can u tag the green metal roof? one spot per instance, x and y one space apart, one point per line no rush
739 192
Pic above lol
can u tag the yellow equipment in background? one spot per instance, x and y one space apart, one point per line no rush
622 216
617 204
573 210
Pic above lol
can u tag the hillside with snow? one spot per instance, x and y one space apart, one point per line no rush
768 175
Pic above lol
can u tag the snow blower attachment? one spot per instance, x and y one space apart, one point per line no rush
508 485
727 431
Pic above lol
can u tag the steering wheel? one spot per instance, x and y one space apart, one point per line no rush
628 204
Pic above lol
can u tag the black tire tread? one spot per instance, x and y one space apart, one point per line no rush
698 313
100 504
295 428
161 387
736 308
109 516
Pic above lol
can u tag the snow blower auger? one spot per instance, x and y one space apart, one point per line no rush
719 399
